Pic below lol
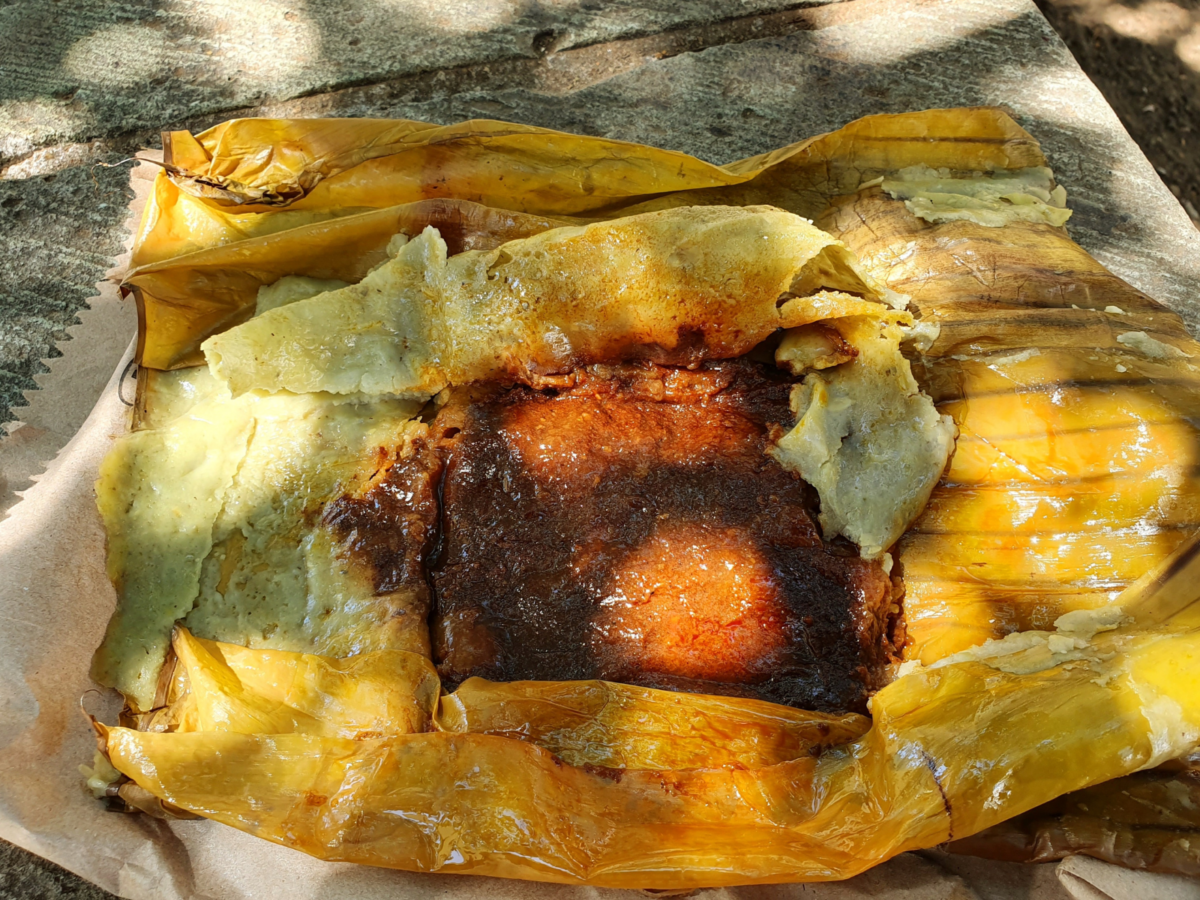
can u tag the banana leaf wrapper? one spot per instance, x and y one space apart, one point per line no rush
1075 471
1075 468
1149 820
219 687
1072 444
1086 710
337 190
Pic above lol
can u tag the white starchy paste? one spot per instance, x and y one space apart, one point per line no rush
208 513
292 288
1150 347
991 199
421 320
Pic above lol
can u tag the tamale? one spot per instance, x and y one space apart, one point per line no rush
316 531
1074 475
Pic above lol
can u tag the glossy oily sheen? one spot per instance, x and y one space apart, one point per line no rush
486 804
622 726
630 526
1077 467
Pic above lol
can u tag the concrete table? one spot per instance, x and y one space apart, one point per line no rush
84 85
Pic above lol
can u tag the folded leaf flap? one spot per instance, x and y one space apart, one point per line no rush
677 287
253 177
281 160
623 726
276 692
187 298
484 804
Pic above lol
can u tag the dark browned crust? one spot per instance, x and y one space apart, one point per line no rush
624 523
391 525
583 524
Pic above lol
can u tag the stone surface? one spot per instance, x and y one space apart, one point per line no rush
855 59
1146 61
716 85
48 216
83 83
78 70
24 876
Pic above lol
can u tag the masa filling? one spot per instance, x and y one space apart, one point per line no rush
283 500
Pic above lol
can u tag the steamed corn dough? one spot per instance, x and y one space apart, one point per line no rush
676 286
159 492
208 517
292 288
866 437
995 200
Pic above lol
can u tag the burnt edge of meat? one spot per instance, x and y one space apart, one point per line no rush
398 527
391 527
514 602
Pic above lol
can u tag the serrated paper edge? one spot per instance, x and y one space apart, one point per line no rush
66 394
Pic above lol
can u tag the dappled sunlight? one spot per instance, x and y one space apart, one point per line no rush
914 29
126 56
1056 500
696 602
42 118
454 18
1077 471
119 55
1158 22
1188 47
1155 22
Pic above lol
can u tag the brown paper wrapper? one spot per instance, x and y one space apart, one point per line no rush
76 379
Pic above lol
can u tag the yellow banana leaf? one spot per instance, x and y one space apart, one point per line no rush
205 291
620 726
222 687
225 187
1076 466
321 164
1056 712
270 692
1149 821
